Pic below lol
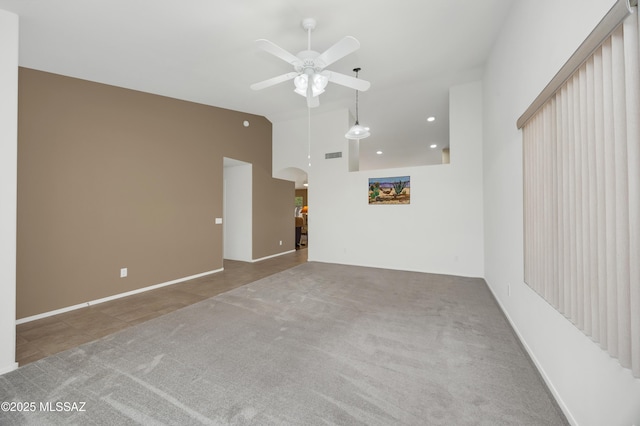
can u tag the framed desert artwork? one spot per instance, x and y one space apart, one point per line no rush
390 190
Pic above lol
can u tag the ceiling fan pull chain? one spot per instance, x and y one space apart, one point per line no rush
309 135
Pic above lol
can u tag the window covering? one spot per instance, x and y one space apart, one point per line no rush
581 162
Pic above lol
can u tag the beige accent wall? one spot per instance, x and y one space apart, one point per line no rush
111 178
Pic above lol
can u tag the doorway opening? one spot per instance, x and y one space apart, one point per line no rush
237 228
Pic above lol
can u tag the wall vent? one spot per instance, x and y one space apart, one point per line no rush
330 155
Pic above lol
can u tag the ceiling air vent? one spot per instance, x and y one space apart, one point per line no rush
330 155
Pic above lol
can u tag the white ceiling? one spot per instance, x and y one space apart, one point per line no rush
203 51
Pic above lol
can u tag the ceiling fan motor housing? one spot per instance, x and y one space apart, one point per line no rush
309 61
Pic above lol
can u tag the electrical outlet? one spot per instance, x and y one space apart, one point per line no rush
123 272
508 289
280 242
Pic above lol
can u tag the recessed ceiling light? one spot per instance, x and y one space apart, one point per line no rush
430 119
379 152
434 145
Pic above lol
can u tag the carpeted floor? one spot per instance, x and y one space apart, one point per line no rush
314 345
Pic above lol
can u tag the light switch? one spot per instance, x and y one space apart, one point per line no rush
218 221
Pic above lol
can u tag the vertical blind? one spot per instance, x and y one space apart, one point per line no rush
581 158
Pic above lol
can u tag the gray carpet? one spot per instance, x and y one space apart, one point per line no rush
319 344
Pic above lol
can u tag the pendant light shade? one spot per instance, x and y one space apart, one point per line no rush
357 131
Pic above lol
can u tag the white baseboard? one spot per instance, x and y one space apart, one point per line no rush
272 256
115 296
9 368
541 370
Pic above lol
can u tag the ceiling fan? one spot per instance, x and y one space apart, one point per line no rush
309 75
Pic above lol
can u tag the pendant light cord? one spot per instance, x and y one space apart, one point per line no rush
356 70
357 107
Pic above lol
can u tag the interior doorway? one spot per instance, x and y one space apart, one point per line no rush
237 229
301 181
301 213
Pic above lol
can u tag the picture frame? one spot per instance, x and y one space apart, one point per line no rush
389 190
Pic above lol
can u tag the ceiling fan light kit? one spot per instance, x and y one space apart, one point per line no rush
310 76
318 84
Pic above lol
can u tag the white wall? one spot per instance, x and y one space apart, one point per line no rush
290 146
237 220
539 36
8 186
439 232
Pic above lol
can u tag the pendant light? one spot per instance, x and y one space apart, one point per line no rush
357 131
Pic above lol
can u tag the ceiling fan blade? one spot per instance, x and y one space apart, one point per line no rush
273 81
338 51
278 51
348 81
